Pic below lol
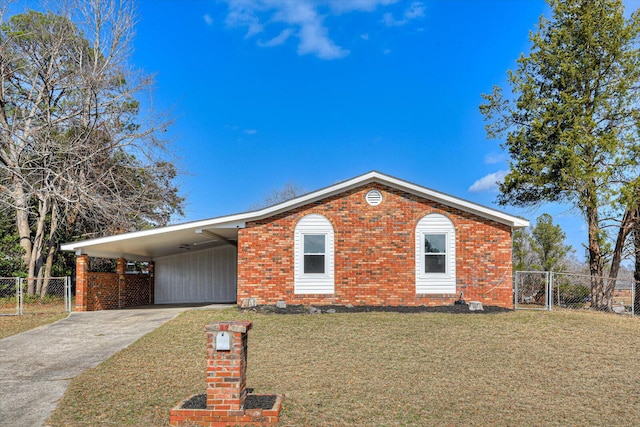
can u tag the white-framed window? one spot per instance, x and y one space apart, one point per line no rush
314 256
435 255
315 253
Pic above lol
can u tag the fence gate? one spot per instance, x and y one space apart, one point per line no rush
532 290
10 296
15 295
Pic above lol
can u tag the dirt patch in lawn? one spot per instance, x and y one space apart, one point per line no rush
330 309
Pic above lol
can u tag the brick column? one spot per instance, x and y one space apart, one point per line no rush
82 283
152 281
121 269
226 369
227 385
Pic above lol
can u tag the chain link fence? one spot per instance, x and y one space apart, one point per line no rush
21 295
531 290
10 296
542 290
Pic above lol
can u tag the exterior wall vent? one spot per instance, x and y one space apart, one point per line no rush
374 197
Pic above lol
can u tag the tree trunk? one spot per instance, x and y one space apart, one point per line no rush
595 260
636 273
626 225
47 271
35 266
24 231
52 248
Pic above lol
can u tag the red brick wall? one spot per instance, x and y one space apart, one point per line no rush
102 291
375 253
138 288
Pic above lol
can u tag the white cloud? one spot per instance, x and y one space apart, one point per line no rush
242 14
208 19
386 51
341 6
415 11
278 40
303 19
364 36
489 182
312 33
238 129
388 20
493 158
314 40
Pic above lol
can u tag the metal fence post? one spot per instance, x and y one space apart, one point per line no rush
20 283
17 280
68 293
66 297
515 296
633 298
549 291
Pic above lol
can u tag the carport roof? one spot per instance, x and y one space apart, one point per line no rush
149 244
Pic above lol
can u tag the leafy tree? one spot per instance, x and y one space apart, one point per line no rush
10 250
572 123
547 243
523 257
542 248
76 158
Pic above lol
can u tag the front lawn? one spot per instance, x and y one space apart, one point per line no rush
34 315
385 369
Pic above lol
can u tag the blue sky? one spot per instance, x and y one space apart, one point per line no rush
266 92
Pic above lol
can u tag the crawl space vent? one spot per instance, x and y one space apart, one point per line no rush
374 197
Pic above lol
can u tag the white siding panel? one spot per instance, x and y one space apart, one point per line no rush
313 283
208 275
436 283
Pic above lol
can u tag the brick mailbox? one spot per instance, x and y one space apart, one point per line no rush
227 402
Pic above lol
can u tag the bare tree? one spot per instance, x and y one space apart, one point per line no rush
289 191
74 154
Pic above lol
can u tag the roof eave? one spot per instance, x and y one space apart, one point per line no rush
239 220
415 189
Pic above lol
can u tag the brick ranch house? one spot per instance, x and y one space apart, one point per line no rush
371 240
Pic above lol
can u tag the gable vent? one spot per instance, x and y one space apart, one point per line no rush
374 197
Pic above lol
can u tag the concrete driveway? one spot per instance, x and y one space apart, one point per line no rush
37 366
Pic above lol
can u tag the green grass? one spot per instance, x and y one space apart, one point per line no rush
385 369
34 315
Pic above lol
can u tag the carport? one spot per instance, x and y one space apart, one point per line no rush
194 262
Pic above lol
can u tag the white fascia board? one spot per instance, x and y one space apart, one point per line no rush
456 202
375 176
220 222
239 220
229 221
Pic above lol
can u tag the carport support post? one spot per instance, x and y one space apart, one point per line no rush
82 284
152 281
121 269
